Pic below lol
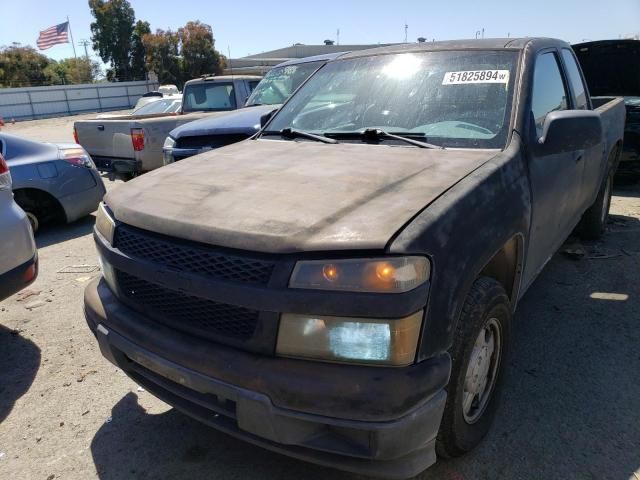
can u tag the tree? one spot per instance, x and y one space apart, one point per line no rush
112 34
162 55
138 70
23 66
74 70
199 55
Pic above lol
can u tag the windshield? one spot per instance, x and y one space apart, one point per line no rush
456 98
632 101
280 83
209 96
159 106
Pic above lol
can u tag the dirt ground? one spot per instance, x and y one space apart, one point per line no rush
570 409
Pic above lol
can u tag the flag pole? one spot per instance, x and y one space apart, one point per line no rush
71 35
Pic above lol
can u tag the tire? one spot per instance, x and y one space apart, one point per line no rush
33 220
487 309
594 221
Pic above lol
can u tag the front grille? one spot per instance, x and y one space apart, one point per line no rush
192 257
187 313
213 141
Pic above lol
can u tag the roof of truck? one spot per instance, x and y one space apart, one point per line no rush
223 78
480 44
315 58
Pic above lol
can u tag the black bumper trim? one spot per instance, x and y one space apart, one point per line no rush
400 448
13 281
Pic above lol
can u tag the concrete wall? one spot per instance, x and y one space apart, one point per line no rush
59 100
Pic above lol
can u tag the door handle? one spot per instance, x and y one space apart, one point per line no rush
101 128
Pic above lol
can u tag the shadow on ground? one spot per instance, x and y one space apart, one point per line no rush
171 445
57 233
19 363
569 408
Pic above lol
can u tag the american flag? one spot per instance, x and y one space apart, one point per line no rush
53 35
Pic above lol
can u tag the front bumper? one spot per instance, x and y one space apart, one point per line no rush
371 420
117 167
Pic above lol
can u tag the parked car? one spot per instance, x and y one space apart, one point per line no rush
599 60
168 105
18 255
52 182
126 147
340 287
163 91
215 132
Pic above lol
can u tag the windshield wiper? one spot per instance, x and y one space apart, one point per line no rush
294 133
373 134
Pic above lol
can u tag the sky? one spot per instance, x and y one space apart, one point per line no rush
251 27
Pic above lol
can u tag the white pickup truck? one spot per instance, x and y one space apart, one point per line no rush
128 146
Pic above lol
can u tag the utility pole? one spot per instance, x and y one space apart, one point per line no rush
338 37
85 44
406 32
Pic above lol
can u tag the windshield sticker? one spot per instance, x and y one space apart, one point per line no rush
476 76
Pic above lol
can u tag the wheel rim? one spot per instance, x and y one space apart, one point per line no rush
482 371
607 200
33 220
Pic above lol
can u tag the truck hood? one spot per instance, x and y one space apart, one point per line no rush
599 59
244 120
287 196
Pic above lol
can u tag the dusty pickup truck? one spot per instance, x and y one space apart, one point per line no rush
598 60
130 145
340 287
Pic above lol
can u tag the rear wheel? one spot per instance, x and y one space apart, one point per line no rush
594 221
478 357
40 207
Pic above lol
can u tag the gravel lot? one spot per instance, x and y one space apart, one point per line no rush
570 410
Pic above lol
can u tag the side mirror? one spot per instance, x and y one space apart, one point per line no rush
264 119
569 130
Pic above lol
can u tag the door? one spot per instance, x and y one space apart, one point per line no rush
592 157
556 180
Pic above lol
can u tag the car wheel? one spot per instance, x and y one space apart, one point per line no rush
33 220
594 221
478 361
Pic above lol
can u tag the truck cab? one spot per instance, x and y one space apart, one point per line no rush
340 287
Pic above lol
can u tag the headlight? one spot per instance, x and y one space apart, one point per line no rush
105 224
169 143
352 340
108 273
380 275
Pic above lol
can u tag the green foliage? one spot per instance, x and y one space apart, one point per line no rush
112 34
198 53
24 67
162 50
179 56
138 69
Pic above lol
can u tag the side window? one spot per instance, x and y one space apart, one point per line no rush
253 84
573 72
549 93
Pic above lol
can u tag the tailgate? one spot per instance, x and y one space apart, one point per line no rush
106 138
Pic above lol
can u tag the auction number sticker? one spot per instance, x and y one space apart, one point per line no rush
476 76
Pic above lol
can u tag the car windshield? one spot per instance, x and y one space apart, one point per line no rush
452 99
632 101
208 97
281 82
159 106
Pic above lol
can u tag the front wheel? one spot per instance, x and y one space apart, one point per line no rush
478 360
